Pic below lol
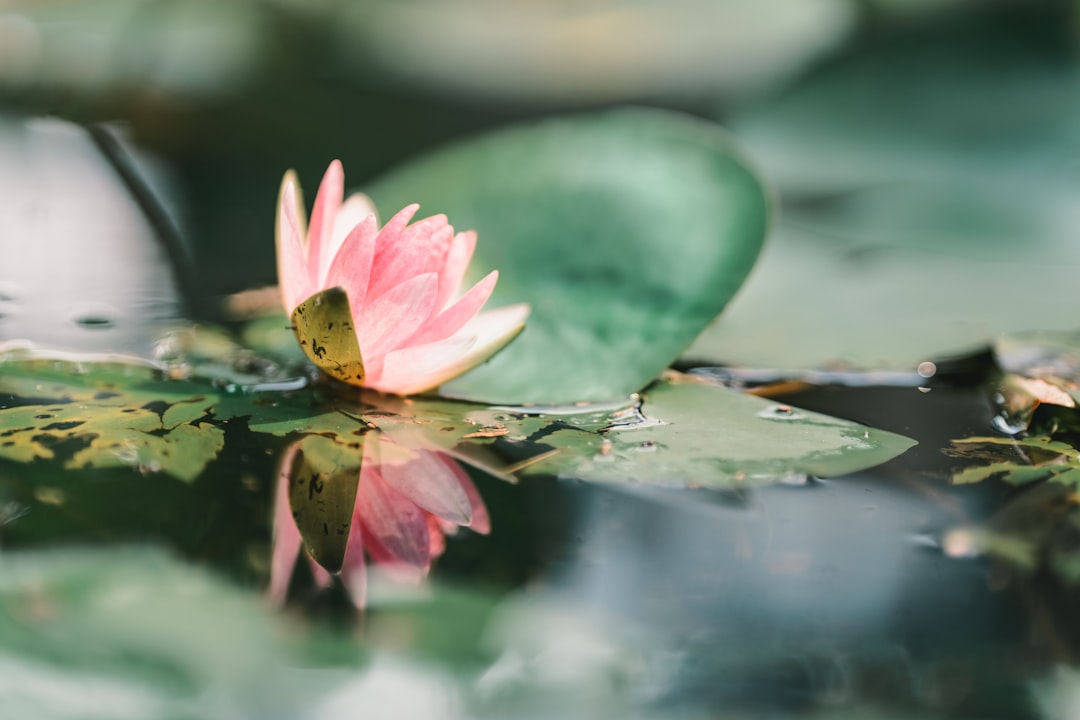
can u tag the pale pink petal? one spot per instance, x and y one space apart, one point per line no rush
353 572
420 368
356 208
458 258
351 268
453 318
394 316
327 202
287 542
293 277
481 521
395 529
438 245
319 574
427 483
391 232
403 254
437 544
417 368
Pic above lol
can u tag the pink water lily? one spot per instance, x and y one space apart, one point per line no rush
414 327
408 499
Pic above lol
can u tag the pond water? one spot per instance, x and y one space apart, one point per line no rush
861 595
629 513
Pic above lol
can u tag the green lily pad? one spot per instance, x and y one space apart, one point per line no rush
694 434
679 433
627 232
102 422
923 189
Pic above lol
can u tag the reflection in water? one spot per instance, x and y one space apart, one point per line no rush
388 496
81 266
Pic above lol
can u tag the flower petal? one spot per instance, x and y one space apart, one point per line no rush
394 316
395 529
319 574
287 541
457 262
351 268
481 521
417 368
327 202
356 208
421 477
402 254
424 367
453 318
353 571
292 269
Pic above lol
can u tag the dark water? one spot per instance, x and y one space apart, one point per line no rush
829 598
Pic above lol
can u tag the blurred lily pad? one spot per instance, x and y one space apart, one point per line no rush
923 186
1017 461
627 232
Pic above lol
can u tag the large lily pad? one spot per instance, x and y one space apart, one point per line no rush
681 432
627 232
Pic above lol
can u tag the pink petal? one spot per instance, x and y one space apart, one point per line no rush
457 262
453 318
320 574
351 268
391 232
438 245
353 572
293 277
481 521
420 368
437 546
395 529
327 202
401 255
427 482
353 211
394 316
287 541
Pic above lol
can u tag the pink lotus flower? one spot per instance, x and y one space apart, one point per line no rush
413 327
408 498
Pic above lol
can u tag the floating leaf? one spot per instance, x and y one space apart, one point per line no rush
695 434
105 423
627 232
682 432
1017 461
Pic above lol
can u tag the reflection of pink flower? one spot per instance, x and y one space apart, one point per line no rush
407 500
403 283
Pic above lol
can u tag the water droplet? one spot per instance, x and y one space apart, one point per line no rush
780 412
926 369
